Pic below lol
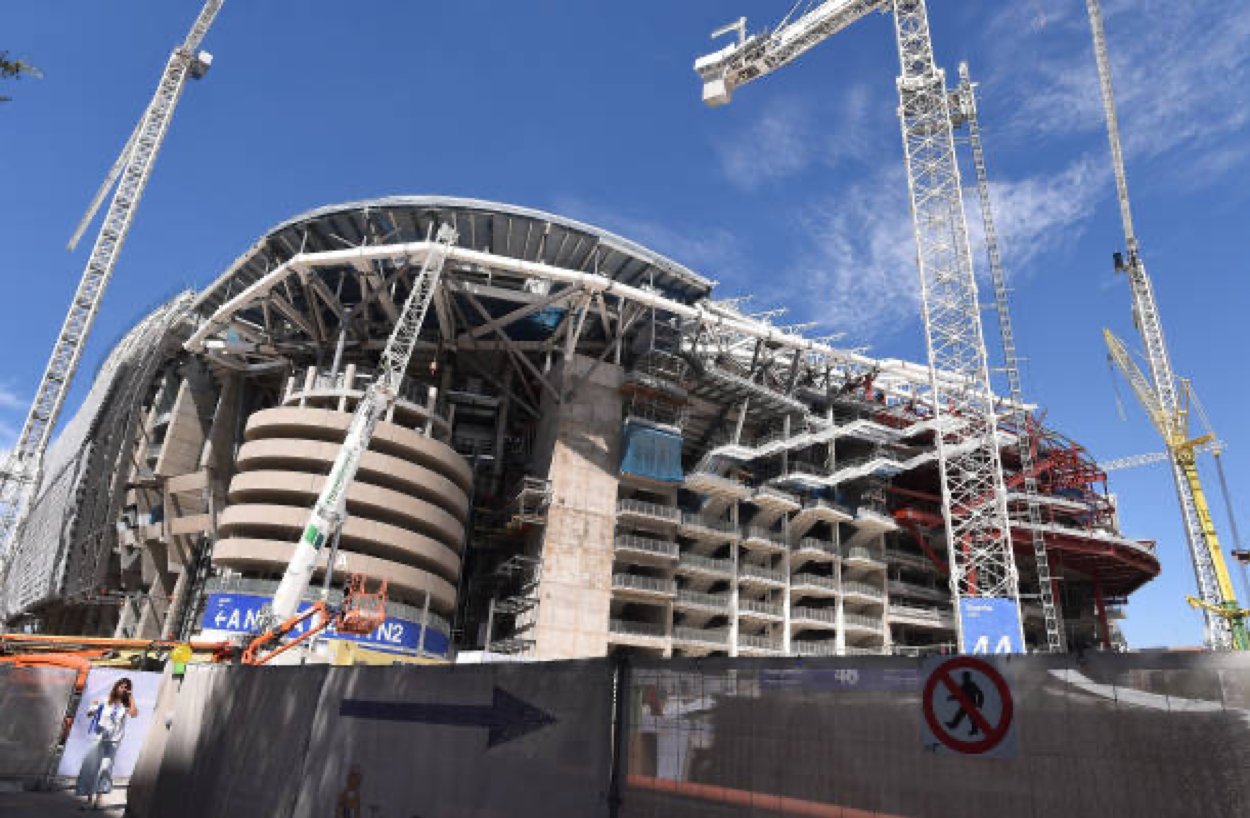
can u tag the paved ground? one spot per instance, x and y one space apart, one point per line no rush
59 804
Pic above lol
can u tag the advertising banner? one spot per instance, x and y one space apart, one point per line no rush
237 613
100 682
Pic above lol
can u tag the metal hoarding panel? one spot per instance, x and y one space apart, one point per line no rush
479 740
33 702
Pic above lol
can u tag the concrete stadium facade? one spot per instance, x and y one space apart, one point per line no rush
591 454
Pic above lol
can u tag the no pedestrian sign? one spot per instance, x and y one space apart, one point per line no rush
968 708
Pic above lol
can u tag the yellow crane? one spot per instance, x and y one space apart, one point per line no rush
1166 398
1183 452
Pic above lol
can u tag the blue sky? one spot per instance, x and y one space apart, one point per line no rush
795 192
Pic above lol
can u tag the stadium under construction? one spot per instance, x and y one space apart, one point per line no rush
592 454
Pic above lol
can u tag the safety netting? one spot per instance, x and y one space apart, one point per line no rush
651 452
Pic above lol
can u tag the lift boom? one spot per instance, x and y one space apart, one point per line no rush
329 511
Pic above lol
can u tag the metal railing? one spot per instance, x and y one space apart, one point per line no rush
829 615
772 491
813 647
653 511
929 614
759 607
652 629
635 582
858 552
862 589
898 586
695 562
718 602
660 548
689 520
814 544
854 620
747 640
814 580
773 538
746 569
717 636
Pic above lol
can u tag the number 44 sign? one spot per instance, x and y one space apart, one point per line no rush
967 708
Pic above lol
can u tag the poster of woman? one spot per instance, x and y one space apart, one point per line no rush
109 728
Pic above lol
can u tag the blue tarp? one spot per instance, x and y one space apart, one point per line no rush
652 453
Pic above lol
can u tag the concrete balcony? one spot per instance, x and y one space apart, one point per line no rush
715 485
639 511
775 500
652 588
715 637
644 632
632 548
862 592
755 609
814 617
812 548
758 575
704 529
859 557
813 647
858 624
813 584
818 509
707 603
764 540
851 650
750 643
921 617
704 566
874 520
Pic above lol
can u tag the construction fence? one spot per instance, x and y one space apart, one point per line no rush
1154 734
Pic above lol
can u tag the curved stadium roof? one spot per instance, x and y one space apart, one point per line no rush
507 230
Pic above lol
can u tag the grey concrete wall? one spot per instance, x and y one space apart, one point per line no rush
576 589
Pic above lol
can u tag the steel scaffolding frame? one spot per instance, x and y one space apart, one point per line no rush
1011 363
973 494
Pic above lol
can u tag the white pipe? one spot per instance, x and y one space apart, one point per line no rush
590 282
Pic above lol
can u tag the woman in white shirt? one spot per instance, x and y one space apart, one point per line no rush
107 728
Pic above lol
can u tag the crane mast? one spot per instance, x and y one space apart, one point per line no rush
967 100
974 500
23 469
1214 588
329 511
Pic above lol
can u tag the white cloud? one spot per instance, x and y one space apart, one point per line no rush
775 146
858 271
793 135
1176 70
10 399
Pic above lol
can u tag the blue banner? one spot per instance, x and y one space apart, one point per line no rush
237 613
990 625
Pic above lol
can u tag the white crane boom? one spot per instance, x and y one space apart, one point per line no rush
330 509
752 57
1159 395
23 467
973 493
1150 458
967 102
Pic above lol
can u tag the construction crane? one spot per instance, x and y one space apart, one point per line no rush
362 612
966 108
1150 458
23 468
974 500
1160 395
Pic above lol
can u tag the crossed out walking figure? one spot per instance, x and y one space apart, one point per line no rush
973 694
